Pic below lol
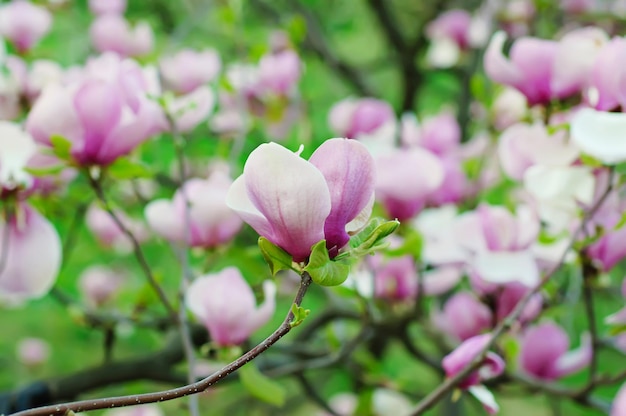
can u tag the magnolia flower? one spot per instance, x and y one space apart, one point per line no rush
99 7
406 178
102 118
358 118
606 86
28 236
225 304
98 284
295 203
112 32
395 279
189 110
529 68
464 316
24 23
109 233
575 58
544 353
508 108
524 145
279 72
600 134
188 69
211 221
33 351
492 366
500 243
16 149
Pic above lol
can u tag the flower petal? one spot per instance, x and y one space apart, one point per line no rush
601 135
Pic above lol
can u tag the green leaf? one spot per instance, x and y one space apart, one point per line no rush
617 330
61 147
323 270
277 258
381 231
296 27
125 168
260 386
590 161
299 315
44 170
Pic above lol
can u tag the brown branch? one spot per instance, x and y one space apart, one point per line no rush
141 258
193 388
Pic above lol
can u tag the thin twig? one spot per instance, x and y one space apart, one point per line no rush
141 258
194 388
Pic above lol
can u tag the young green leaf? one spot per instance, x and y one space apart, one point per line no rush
277 258
323 270
299 315
260 386
61 147
125 168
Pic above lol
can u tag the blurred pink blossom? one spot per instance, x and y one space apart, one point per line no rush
463 316
107 231
225 304
99 7
33 352
189 69
29 236
544 352
353 118
24 23
113 33
211 221
98 284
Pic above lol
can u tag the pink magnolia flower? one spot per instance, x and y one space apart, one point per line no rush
279 72
452 24
295 203
225 304
191 109
16 148
212 222
98 284
41 73
99 7
107 231
406 178
524 145
395 279
608 77
609 249
353 118
33 351
103 118
464 316
188 69
600 134
508 296
574 61
528 68
544 353
439 134
500 243
492 366
113 33
29 236
508 108
578 6
24 23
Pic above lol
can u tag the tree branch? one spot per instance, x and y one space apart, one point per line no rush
193 388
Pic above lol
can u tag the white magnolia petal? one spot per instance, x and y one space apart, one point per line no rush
506 267
164 220
600 134
485 397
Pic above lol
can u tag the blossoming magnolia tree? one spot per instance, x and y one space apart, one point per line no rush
321 207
